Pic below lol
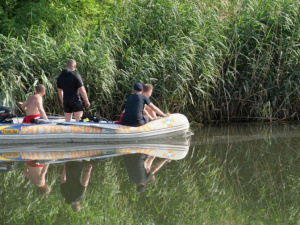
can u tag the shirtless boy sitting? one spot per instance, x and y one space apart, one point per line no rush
33 106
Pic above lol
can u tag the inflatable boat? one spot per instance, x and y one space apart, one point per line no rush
68 132
56 153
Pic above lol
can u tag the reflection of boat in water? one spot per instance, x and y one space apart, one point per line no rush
67 132
61 152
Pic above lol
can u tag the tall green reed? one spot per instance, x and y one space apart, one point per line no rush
213 61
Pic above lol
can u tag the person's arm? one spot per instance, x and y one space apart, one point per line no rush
86 178
25 172
45 169
159 165
41 108
151 112
84 96
63 176
24 106
61 96
158 111
148 163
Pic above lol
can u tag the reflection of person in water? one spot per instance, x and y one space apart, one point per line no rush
72 187
36 173
139 169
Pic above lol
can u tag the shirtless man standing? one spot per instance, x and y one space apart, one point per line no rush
33 106
36 174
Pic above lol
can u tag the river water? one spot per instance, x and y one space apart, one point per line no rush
231 174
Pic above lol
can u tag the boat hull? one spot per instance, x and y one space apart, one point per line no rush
174 125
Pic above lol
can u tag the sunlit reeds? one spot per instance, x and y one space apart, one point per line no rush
213 61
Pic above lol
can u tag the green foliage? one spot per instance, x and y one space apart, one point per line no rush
213 61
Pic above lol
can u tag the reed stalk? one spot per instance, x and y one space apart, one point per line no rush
212 61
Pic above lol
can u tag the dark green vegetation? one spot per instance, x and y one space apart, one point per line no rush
210 60
232 175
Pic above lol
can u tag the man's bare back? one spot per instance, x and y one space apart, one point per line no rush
34 104
36 174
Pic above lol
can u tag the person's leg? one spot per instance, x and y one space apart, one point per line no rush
78 110
68 111
151 112
78 115
68 117
148 162
145 120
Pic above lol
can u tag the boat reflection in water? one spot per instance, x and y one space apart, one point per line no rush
57 153
77 162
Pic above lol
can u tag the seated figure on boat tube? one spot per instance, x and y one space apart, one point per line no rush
33 106
147 90
134 108
139 169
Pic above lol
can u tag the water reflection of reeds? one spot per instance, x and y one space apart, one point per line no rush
255 181
258 172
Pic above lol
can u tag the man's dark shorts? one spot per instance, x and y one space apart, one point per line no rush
146 119
70 107
137 123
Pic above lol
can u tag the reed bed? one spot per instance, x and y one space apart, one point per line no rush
212 61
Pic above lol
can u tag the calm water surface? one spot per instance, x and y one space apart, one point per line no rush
232 174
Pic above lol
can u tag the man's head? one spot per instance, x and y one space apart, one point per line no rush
147 90
140 187
40 89
71 64
75 206
44 189
138 87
